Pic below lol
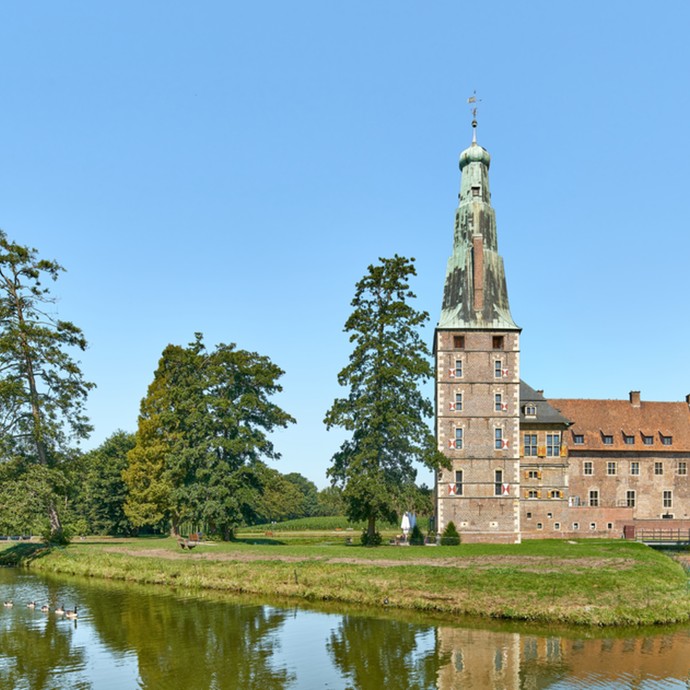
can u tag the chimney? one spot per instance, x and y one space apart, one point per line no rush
635 398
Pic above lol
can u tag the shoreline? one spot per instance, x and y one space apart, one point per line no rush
591 582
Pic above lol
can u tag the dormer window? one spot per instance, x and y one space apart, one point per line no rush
530 410
666 440
608 440
578 439
629 439
647 440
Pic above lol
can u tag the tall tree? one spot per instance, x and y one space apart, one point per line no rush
42 390
385 410
203 431
103 491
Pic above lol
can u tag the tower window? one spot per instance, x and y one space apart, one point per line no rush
459 342
458 482
475 191
497 342
458 438
458 369
498 482
458 402
498 402
498 369
499 443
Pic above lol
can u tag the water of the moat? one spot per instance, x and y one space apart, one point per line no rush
137 637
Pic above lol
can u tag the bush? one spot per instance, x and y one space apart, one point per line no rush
373 541
416 536
450 536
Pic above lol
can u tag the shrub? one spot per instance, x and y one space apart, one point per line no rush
373 541
450 536
416 536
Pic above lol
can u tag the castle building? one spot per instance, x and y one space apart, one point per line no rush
523 466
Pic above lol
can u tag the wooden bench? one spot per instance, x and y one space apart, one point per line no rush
191 541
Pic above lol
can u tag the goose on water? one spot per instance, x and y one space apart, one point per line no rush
71 614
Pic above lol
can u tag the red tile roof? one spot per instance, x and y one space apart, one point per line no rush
595 419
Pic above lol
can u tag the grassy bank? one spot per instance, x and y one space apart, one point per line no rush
591 582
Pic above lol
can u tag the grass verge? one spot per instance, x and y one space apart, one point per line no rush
590 582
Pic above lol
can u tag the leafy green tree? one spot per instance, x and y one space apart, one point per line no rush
385 410
103 490
330 501
279 499
42 390
308 502
203 431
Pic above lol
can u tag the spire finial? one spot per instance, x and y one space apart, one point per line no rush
474 100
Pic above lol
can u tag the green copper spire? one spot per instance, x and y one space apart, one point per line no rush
475 293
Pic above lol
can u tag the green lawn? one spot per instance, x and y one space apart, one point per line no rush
597 582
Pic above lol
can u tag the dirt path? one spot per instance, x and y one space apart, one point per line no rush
539 564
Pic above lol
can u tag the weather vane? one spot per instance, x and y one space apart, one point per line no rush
473 100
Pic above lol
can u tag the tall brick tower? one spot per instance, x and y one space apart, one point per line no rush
477 349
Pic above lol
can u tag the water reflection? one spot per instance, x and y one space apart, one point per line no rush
137 637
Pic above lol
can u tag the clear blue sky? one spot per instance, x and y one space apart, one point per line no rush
233 168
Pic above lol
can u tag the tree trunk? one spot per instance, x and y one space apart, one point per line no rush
56 533
371 528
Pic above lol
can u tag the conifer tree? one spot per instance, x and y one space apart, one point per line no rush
385 410
42 390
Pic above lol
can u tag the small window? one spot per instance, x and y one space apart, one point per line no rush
588 467
532 493
666 440
458 482
475 191
682 467
576 525
497 342
540 526
578 439
498 482
458 402
499 443
647 440
555 493
592 525
529 516
557 525
498 369
630 499
498 402
533 474
459 342
611 468
458 369
530 410
594 498
634 468
668 499
609 525
530 441
458 438
608 440
628 440
658 468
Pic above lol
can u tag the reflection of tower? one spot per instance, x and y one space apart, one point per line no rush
477 372
479 659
